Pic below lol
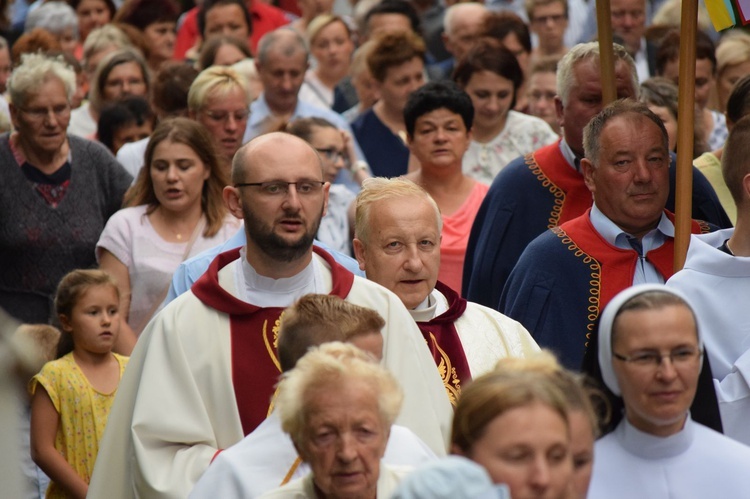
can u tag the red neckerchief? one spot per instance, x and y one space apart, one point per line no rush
255 365
445 344
572 197
618 265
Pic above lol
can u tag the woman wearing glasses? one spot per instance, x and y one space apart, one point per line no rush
336 151
219 99
57 190
174 211
650 354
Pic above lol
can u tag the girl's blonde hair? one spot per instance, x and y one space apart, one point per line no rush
70 290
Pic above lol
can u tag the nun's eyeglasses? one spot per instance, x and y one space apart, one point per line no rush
652 359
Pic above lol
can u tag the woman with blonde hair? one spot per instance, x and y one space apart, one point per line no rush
331 46
174 210
582 416
732 63
515 423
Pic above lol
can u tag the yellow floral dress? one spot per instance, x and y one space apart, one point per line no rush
83 414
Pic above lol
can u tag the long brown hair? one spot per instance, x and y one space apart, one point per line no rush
196 137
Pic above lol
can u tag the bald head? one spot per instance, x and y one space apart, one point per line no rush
278 145
279 191
462 23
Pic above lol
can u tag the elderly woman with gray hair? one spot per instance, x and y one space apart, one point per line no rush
57 193
58 18
650 354
338 406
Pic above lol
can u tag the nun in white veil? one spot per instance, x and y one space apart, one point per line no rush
650 355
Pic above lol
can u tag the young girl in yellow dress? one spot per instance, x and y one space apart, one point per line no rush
72 395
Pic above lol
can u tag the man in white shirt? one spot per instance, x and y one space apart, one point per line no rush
629 24
716 278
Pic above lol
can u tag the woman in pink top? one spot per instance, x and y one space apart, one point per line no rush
438 119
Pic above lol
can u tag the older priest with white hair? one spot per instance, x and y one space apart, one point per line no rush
397 244
650 354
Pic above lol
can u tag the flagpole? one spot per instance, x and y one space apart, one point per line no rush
685 120
606 57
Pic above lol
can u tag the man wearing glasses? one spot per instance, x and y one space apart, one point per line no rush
203 373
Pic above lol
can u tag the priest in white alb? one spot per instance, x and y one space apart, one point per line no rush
397 244
716 278
203 372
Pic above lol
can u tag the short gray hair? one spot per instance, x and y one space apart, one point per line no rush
34 71
593 131
287 40
334 363
379 188
55 17
581 52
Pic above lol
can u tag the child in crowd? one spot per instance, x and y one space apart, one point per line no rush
127 120
43 340
72 395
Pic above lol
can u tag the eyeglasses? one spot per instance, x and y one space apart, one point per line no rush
41 113
652 360
281 188
223 116
555 18
333 155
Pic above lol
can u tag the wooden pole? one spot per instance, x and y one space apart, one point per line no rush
606 57
685 120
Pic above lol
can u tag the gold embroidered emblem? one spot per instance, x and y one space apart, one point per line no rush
273 344
559 201
447 373
272 351
595 269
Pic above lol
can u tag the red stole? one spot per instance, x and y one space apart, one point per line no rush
254 331
445 345
617 266
572 197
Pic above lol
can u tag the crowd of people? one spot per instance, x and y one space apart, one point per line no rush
372 249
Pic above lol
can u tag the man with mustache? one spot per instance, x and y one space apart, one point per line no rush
203 373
